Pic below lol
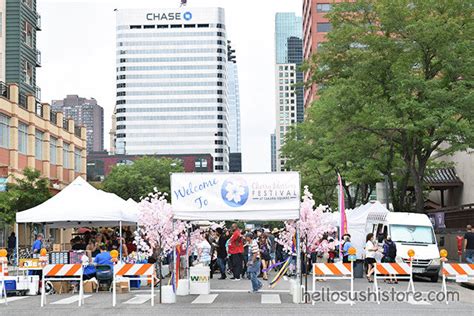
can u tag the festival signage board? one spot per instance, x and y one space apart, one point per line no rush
236 196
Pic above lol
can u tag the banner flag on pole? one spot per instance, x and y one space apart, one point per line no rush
342 210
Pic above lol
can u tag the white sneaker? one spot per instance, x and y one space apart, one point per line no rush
236 280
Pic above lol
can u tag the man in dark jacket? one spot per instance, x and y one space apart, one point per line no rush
221 252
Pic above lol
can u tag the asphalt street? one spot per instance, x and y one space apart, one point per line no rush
230 298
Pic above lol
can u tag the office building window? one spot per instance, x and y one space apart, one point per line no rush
323 7
28 73
323 27
27 34
53 145
77 160
66 164
28 3
22 138
39 145
4 131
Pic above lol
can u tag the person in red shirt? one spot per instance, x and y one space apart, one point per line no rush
236 250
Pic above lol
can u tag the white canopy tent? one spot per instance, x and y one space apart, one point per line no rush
356 222
80 204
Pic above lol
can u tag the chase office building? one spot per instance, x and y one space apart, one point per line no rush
172 83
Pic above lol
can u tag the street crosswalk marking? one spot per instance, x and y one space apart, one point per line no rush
69 300
138 299
271 299
14 298
205 299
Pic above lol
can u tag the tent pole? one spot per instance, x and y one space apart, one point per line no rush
299 279
16 246
188 244
120 236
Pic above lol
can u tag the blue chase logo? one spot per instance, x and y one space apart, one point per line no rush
187 16
235 192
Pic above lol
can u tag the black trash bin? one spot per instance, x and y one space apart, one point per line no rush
359 269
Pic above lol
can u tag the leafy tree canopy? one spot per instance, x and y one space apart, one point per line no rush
138 179
395 81
24 193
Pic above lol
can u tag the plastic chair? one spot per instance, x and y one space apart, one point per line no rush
104 274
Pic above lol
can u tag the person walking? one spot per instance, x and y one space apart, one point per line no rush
253 262
265 257
221 252
236 250
370 250
389 255
345 248
469 244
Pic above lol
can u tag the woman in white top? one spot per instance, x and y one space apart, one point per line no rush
204 252
370 250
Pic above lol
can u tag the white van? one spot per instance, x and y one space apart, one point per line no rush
409 231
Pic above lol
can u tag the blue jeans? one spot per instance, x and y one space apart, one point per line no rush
470 256
221 265
254 270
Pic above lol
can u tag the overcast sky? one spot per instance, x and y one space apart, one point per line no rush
77 43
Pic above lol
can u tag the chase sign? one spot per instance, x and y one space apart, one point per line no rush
171 16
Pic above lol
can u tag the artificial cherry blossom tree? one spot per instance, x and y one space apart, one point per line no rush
313 225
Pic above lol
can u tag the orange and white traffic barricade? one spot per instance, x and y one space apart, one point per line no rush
334 271
131 271
399 270
62 272
3 273
459 272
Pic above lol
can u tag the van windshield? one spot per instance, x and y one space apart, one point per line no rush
412 234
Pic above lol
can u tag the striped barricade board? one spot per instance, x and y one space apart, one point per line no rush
333 271
396 270
62 272
3 273
132 271
459 272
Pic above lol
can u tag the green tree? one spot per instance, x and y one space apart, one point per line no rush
400 72
138 179
24 193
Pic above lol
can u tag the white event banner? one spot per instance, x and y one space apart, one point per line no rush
236 196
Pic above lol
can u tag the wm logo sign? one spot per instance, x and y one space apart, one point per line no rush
199 278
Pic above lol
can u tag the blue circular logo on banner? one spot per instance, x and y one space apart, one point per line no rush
187 16
235 192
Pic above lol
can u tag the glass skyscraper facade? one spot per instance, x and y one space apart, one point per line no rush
172 83
288 79
233 96
287 25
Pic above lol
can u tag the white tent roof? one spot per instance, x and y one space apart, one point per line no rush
356 222
80 204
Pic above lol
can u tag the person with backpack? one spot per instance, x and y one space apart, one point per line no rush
389 255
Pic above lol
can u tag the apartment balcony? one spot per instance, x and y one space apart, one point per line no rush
38 22
38 58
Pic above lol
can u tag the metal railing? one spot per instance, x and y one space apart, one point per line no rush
22 101
4 90
38 58
53 117
38 22
39 109
77 131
